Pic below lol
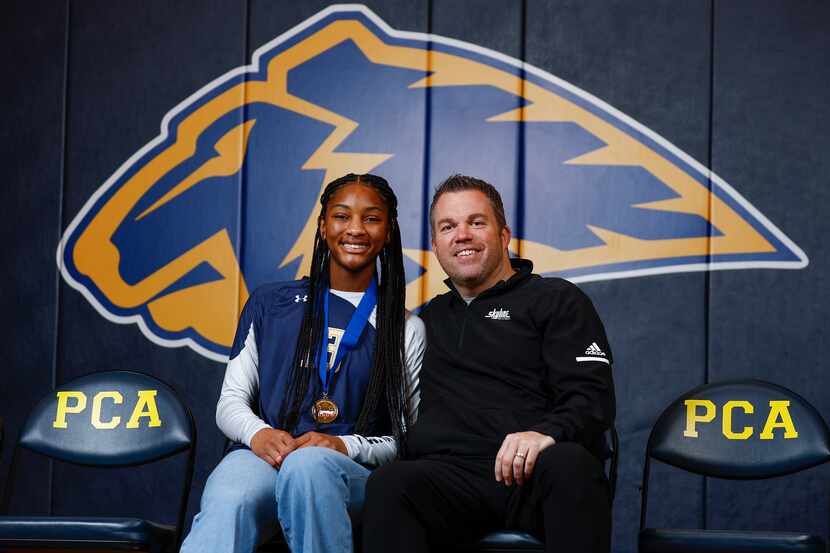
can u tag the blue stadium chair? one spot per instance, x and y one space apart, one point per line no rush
741 430
106 419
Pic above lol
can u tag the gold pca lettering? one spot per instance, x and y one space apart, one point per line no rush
704 411
71 402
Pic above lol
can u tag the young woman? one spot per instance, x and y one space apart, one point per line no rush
322 381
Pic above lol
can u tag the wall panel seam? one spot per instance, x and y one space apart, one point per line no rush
707 306
61 199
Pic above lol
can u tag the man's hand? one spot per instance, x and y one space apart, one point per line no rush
517 456
322 440
273 445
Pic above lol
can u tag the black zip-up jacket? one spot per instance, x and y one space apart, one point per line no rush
530 353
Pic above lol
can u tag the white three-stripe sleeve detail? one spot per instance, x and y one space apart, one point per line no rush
235 416
376 450
416 342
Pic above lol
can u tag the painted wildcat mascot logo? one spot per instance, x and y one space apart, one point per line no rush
225 198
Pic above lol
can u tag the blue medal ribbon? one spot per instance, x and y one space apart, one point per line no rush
350 338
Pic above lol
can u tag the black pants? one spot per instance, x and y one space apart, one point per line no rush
444 500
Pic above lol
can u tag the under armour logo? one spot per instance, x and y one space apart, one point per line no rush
298 298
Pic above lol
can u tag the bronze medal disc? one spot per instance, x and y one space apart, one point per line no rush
324 410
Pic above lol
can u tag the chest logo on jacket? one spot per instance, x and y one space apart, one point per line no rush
225 197
498 315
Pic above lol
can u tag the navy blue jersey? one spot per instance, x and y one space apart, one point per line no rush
273 316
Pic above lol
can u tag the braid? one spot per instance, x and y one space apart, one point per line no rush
304 365
388 383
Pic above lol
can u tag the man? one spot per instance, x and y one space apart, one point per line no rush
516 394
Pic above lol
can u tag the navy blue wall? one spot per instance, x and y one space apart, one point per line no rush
739 86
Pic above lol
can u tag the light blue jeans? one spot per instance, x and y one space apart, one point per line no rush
315 495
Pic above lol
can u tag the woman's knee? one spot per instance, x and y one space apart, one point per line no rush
308 462
234 486
308 468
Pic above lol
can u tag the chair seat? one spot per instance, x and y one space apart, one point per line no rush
85 532
504 541
654 540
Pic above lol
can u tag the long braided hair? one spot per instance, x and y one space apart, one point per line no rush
388 383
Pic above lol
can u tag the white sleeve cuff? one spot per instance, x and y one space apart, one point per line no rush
352 445
251 430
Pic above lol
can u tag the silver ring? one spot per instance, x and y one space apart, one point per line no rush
521 455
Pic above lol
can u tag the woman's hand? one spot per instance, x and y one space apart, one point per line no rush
321 440
273 445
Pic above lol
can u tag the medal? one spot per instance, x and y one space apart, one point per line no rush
324 410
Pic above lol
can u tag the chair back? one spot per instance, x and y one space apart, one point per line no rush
111 419
116 418
747 429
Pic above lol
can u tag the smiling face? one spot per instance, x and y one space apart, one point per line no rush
356 228
468 242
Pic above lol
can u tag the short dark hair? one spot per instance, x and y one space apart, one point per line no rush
459 183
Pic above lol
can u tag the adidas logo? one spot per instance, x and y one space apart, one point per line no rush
498 315
594 349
